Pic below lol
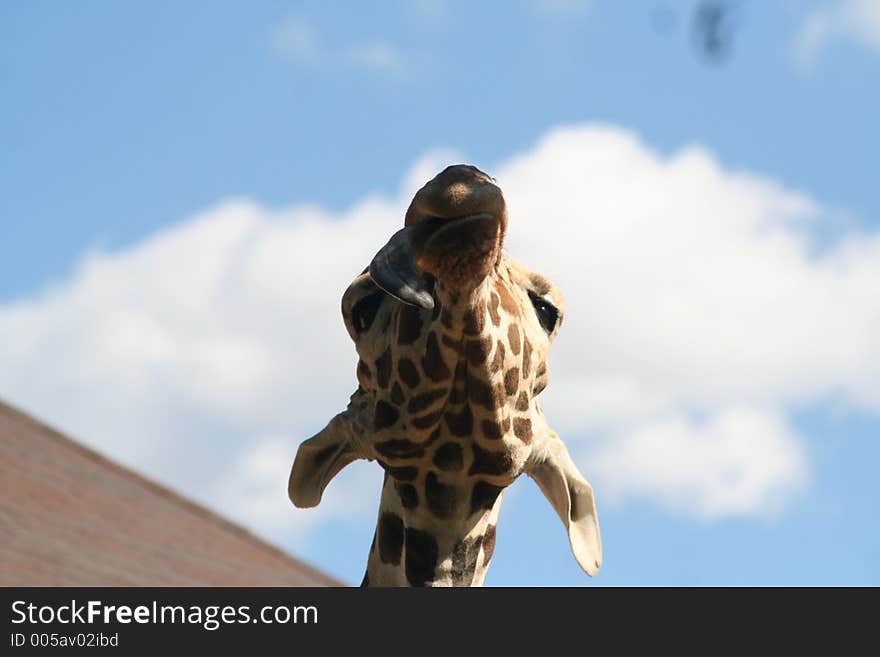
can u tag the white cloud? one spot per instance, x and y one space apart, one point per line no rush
299 41
180 355
377 56
698 284
851 20
699 315
740 462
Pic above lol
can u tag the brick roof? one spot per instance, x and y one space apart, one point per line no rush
70 517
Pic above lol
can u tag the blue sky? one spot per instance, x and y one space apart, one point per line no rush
124 125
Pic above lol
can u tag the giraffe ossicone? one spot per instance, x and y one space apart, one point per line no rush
453 338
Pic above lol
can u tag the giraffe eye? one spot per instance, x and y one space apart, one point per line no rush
364 311
548 314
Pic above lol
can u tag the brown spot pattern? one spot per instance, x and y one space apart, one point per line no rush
441 499
527 357
507 301
425 400
522 428
477 351
363 370
498 360
385 415
461 423
511 381
513 339
457 394
400 448
421 556
489 462
408 372
432 362
483 394
390 538
383 368
449 457
403 473
396 394
491 429
435 434
475 319
451 343
409 325
493 309
409 496
483 496
427 421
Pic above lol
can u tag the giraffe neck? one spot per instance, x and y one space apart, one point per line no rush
410 550
456 442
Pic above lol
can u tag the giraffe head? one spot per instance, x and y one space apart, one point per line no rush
453 338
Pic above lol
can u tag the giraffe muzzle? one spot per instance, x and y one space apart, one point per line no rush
454 229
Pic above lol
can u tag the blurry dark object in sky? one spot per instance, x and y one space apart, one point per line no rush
713 26
713 29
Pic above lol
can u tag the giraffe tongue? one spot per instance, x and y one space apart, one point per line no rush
393 269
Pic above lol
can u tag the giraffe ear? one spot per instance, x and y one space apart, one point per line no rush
572 498
319 459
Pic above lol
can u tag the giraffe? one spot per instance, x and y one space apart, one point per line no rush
452 337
